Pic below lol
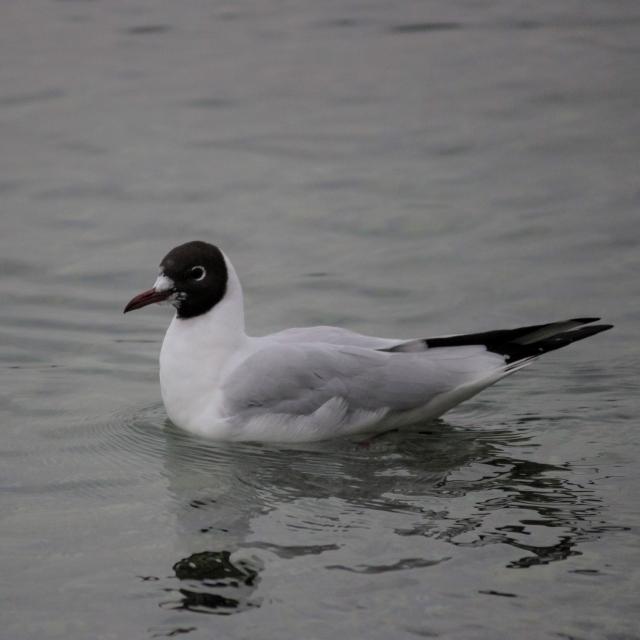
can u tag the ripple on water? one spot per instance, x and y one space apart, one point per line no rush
240 503
93 457
124 435
465 487
406 563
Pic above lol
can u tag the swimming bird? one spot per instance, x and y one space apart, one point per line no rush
315 383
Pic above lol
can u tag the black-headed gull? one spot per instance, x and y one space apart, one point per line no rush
315 383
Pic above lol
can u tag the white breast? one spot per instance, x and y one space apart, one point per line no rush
196 354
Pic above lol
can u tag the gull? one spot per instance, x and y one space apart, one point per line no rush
315 383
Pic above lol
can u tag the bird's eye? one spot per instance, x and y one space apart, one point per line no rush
198 273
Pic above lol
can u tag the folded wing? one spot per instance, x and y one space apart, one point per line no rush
298 379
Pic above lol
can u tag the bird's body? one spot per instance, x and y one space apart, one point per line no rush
315 383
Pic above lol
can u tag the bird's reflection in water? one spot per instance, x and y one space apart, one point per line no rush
213 583
558 511
467 487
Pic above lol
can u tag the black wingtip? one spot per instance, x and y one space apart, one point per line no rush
523 342
555 342
601 327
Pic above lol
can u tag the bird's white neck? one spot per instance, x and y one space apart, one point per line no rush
195 351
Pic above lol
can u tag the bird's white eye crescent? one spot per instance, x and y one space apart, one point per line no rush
198 273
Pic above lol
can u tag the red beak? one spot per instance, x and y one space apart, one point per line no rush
147 297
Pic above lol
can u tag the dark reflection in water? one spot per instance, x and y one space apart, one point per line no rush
407 563
216 584
466 487
553 501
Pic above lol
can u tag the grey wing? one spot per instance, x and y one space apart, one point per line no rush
298 379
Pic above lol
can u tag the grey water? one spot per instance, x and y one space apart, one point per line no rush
398 168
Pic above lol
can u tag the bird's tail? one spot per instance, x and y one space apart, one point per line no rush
516 345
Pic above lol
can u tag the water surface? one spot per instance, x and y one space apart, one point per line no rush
400 169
